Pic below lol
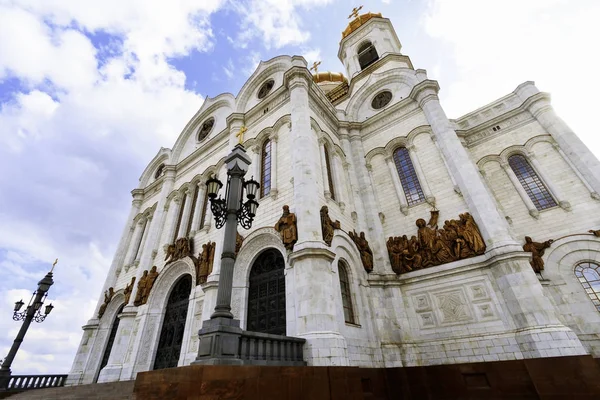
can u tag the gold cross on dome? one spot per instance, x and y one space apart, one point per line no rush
315 66
354 12
240 134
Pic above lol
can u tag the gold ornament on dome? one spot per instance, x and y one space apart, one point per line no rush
358 20
354 13
315 66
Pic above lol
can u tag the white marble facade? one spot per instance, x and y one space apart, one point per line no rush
486 308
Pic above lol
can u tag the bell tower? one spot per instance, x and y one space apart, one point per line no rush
367 39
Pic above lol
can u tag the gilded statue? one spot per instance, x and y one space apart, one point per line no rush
366 255
457 240
128 290
139 295
287 227
152 275
327 225
239 241
205 263
180 249
108 295
537 252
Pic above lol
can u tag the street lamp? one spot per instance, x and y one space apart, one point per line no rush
230 211
31 313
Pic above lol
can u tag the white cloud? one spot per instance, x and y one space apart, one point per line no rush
498 45
229 69
276 22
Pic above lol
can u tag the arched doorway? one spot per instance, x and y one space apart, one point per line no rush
266 296
171 334
111 341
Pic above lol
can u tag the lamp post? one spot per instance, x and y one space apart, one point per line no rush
31 313
219 335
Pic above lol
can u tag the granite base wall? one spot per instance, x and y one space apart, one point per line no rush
576 377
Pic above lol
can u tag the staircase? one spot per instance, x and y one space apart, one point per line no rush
109 391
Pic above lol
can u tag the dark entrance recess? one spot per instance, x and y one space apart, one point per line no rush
111 341
171 334
266 297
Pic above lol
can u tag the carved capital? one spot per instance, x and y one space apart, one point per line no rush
404 209
369 167
534 213
565 205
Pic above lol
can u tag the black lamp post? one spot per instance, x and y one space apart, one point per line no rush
219 336
31 313
229 212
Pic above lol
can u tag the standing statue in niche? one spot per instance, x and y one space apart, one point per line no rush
537 252
140 289
457 240
366 254
327 225
108 295
205 264
287 227
152 275
128 290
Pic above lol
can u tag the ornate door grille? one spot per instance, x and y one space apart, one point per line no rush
111 341
266 297
171 335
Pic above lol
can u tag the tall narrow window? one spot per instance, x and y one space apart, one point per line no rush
329 176
204 209
531 182
111 341
188 229
180 216
265 171
408 177
588 274
367 55
346 297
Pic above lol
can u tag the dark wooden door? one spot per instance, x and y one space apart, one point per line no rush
171 334
266 297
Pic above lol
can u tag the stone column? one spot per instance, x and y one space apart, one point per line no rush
531 311
172 220
443 157
422 180
140 249
594 195
187 208
562 202
201 188
339 182
119 257
397 185
310 263
356 192
112 371
274 191
493 227
538 104
533 211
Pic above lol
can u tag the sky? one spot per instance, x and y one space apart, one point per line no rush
90 91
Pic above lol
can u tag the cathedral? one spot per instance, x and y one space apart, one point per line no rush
386 234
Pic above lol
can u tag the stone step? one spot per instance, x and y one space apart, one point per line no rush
112 390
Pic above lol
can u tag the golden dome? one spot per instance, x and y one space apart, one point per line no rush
329 77
358 21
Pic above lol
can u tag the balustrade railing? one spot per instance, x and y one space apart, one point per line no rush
26 382
267 349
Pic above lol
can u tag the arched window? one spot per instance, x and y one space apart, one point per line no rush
329 175
346 296
159 171
111 341
265 170
588 274
531 182
367 55
204 209
408 177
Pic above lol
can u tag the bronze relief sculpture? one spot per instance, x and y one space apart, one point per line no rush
457 240
108 295
327 225
128 290
287 227
366 255
239 241
180 249
204 266
537 252
152 275
595 233
140 289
